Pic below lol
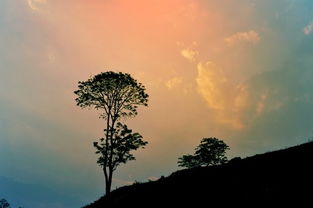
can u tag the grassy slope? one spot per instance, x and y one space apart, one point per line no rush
277 179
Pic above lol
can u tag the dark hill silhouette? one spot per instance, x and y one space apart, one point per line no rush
281 178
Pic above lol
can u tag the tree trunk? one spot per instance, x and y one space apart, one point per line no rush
108 187
110 168
108 182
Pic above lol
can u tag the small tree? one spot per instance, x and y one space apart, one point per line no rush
211 151
188 161
118 96
4 203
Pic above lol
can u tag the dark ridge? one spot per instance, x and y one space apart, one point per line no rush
281 178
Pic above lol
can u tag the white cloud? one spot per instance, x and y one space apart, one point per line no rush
307 30
251 37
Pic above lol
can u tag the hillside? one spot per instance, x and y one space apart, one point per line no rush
281 178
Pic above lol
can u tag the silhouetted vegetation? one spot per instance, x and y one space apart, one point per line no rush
210 151
4 203
118 96
275 179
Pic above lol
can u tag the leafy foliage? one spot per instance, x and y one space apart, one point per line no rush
188 161
4 204
123 142
118 96
211 151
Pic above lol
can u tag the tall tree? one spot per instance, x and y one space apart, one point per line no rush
118 96
210 151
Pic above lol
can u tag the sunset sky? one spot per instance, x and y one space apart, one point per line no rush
238 70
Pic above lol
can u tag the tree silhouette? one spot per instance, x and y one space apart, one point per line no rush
210 151
118 96
4 203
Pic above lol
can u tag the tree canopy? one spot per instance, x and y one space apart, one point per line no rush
118 94
210 151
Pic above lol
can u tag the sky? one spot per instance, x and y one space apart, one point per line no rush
240 71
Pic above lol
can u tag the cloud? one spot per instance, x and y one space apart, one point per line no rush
221 96
189 54
251 37
238 105
51 58
212 85
36 4
307 30
153 178
281 113
172 83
